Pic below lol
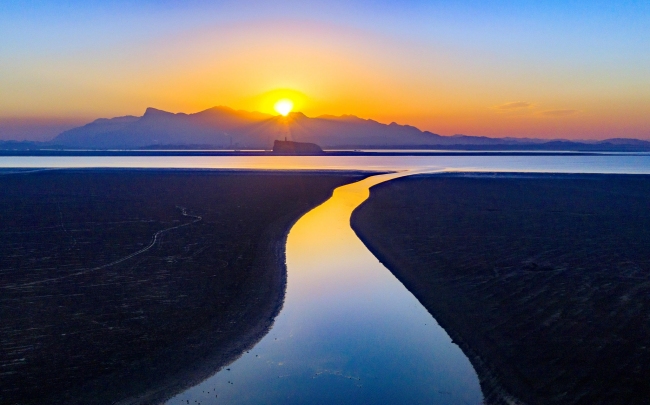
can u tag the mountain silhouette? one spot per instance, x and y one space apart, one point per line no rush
223 127
226 128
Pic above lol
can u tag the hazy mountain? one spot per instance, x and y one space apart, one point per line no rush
223 127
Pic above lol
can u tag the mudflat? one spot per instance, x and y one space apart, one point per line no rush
542 280
126 286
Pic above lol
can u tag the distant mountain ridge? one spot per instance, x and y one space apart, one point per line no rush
226 128
223 127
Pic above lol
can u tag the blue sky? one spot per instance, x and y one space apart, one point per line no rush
440 65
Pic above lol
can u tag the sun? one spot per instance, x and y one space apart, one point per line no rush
283 106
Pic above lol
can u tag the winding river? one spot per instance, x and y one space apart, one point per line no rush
349 331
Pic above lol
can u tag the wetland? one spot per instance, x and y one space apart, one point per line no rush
542 279
130 285
139 284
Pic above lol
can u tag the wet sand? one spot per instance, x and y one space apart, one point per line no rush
127 286
542 280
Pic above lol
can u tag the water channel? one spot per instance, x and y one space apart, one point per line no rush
349 331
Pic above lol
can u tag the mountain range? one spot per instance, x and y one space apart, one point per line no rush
226 128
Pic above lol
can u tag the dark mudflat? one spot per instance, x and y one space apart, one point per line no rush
543 280
126 286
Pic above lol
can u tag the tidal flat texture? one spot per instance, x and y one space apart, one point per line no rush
543 280
126 286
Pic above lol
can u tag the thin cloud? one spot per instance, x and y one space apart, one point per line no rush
514 105
559 113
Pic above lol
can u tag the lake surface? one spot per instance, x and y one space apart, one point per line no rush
619 163
349 332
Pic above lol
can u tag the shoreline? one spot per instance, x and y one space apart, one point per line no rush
221 320
452 299
326 153
198 170
274 241
493 392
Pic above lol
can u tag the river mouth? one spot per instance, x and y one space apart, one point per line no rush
349 331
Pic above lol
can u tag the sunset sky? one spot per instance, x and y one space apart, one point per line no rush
549 69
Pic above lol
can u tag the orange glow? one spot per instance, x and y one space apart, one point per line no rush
332 70
329 225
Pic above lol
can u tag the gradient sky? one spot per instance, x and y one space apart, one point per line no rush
569 69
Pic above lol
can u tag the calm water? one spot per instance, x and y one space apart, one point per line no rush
587 164
349 332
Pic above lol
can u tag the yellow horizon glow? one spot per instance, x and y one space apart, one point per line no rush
283 106
321 69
